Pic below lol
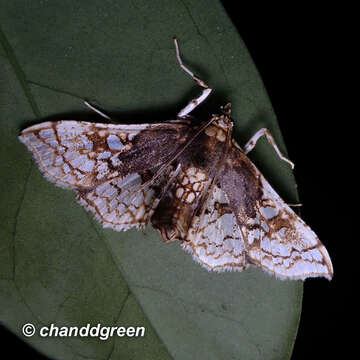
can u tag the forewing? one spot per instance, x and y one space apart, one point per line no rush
276 239
214 238
82 155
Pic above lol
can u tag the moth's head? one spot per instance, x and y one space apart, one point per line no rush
226 110
221 124
224 117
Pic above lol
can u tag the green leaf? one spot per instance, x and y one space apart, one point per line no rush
57 265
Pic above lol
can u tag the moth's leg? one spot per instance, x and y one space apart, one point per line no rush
93 108
194 103
196 79
252 142
295 205
206 92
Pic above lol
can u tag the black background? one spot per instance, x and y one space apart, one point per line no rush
295 49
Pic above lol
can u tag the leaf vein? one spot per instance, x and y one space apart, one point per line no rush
19 72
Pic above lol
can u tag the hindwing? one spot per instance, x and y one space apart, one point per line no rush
276 239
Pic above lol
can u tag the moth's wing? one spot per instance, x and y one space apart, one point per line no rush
122 203
176 209
288 247
82 155
214 238
276 239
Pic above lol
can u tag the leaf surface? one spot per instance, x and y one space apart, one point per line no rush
57 265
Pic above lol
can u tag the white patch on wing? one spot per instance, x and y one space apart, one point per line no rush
268 212
114 142
214 238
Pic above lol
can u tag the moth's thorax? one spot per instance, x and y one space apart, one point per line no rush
218 129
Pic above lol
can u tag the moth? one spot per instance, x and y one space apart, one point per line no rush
190 179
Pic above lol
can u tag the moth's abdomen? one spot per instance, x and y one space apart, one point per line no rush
174 213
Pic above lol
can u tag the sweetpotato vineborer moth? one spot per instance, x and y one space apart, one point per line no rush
190 179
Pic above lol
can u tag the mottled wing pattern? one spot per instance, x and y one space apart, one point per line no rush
214 238
276 239
109 166
76 154
288 247
122 203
